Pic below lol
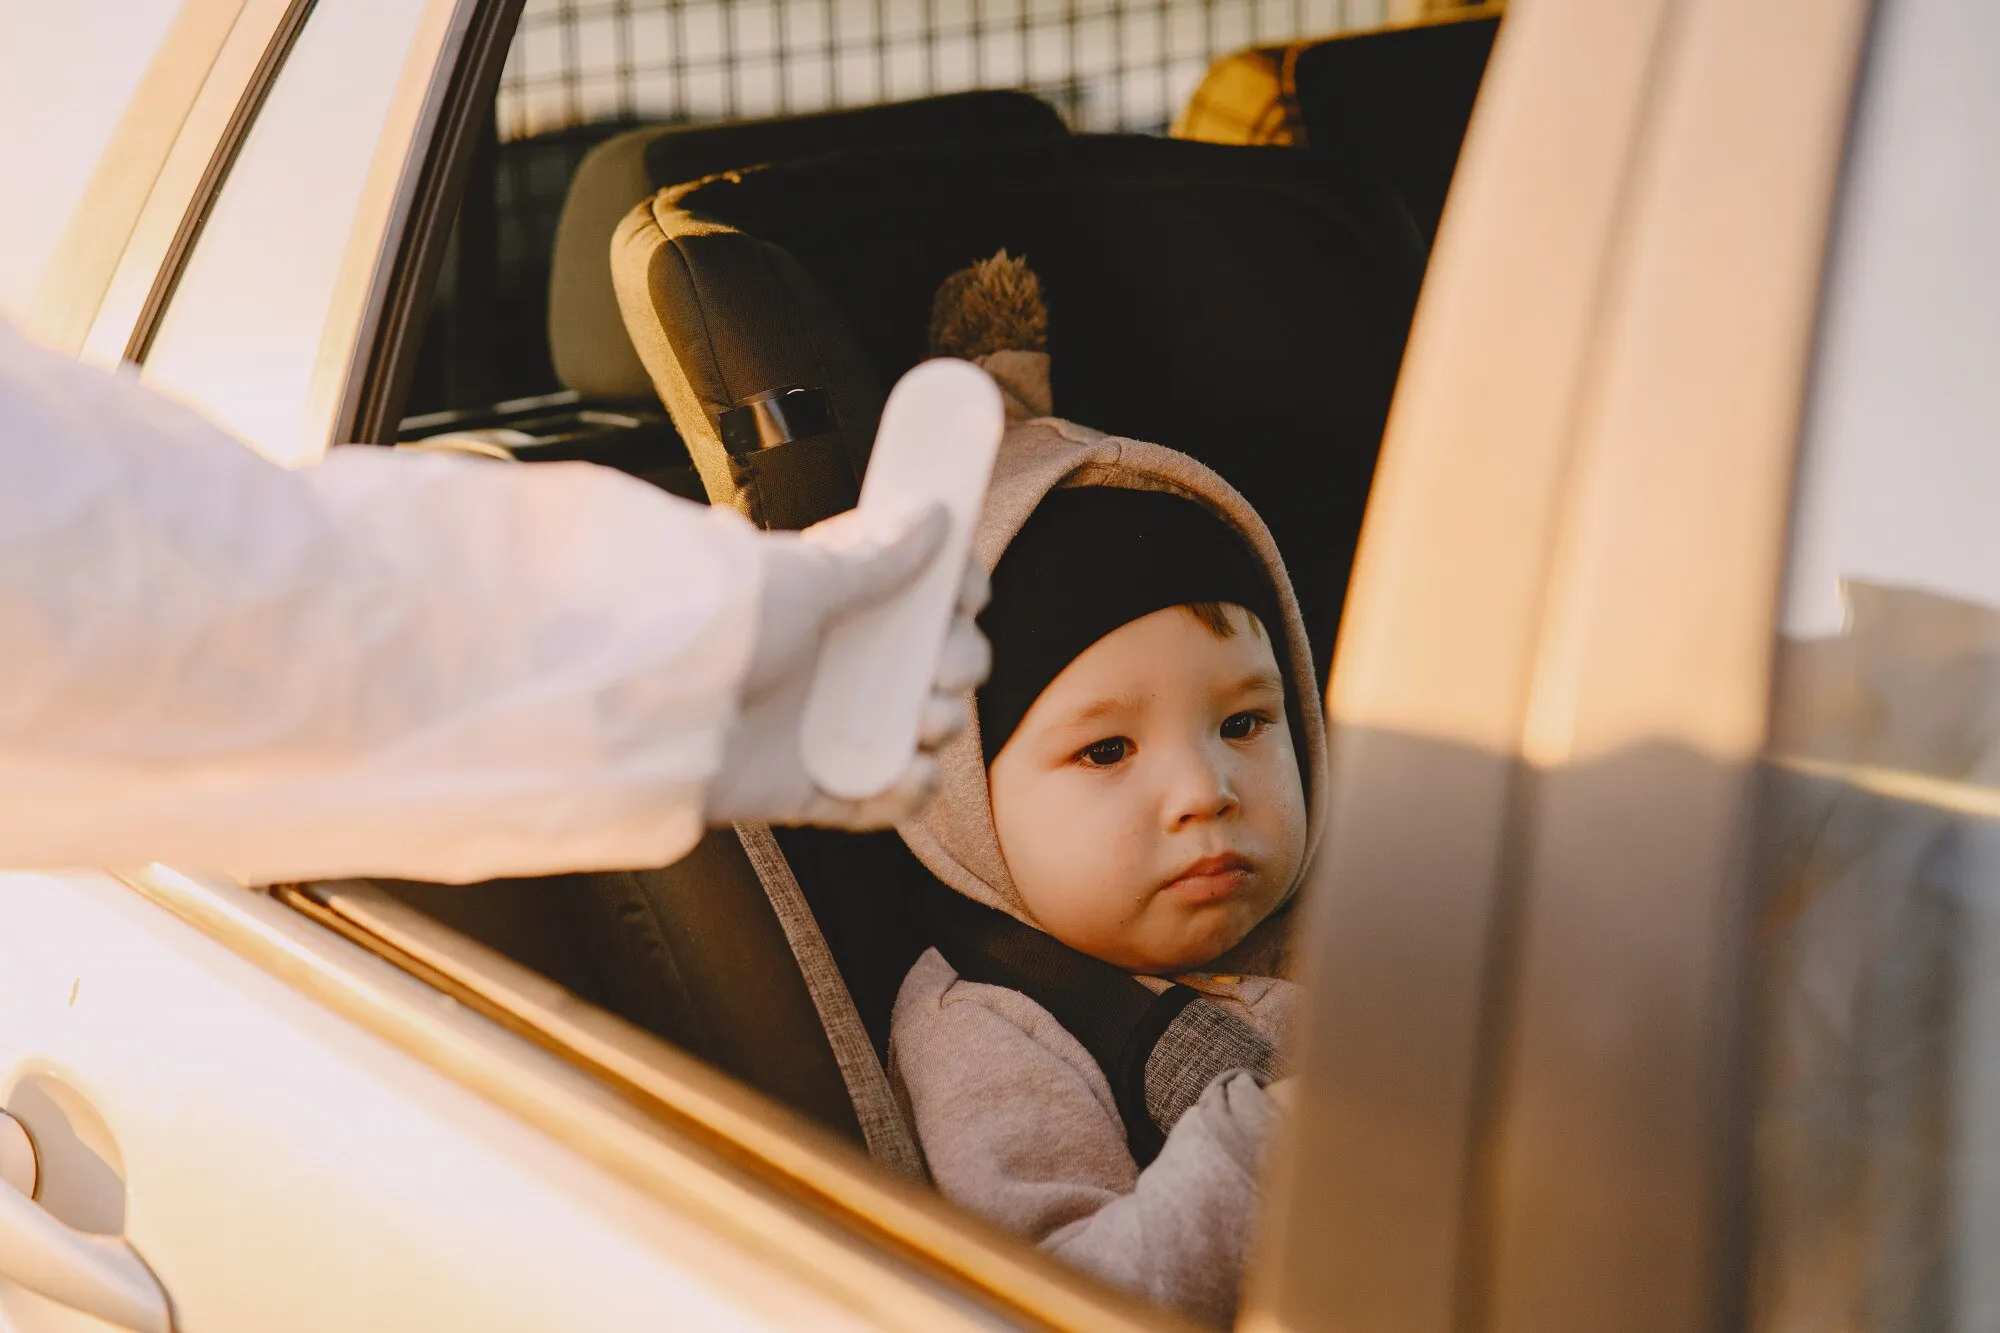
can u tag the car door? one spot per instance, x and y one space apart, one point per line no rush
1531 967
239 1119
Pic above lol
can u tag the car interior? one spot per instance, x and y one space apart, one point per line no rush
1241 292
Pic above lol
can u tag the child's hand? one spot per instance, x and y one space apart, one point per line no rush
1284 1092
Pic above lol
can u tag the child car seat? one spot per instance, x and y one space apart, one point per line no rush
1247 306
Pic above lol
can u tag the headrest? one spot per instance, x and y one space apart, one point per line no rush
587 341
1246 306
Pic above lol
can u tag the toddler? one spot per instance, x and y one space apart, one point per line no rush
1086 1050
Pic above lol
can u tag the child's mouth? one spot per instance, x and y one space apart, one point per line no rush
1210 879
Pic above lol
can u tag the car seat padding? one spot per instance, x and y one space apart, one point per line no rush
718 316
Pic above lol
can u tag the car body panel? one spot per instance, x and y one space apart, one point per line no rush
190 172
75 111
286 1168
1432 673
1551 690
273 306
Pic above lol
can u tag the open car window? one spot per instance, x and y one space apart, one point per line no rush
757 955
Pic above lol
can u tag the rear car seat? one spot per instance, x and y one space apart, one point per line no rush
605 411
1248 306
587 338
697 952
1393 101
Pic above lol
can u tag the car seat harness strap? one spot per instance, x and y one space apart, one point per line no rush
1158 1050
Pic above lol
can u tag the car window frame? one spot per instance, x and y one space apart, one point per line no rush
1584 1198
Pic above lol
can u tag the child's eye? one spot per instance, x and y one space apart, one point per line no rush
1105 753
1242 726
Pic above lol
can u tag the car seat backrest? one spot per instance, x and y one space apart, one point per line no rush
1393 101
1246 306
587 340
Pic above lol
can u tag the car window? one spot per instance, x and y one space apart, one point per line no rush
244 333
67 70
1878 1067
620 101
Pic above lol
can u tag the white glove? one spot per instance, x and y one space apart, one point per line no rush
808 587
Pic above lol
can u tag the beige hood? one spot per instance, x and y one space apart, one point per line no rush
955 838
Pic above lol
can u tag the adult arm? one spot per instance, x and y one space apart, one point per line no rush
422 665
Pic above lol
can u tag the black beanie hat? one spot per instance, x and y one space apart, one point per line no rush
1093 558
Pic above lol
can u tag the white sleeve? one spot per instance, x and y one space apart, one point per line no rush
423 665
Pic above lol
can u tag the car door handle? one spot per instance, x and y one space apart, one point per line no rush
99 1275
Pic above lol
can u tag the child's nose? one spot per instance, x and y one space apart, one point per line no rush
1200 789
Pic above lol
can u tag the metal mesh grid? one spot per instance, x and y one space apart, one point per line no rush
1106 64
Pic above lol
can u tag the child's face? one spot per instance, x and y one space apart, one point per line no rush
1149 804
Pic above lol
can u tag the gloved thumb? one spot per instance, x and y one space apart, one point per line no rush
871 573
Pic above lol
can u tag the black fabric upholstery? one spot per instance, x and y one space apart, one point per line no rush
1396 102
692 953
689 153
1245 305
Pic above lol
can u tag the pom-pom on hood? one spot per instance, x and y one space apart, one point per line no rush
993 315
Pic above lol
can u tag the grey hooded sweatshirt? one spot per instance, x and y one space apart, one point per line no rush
1016 1120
